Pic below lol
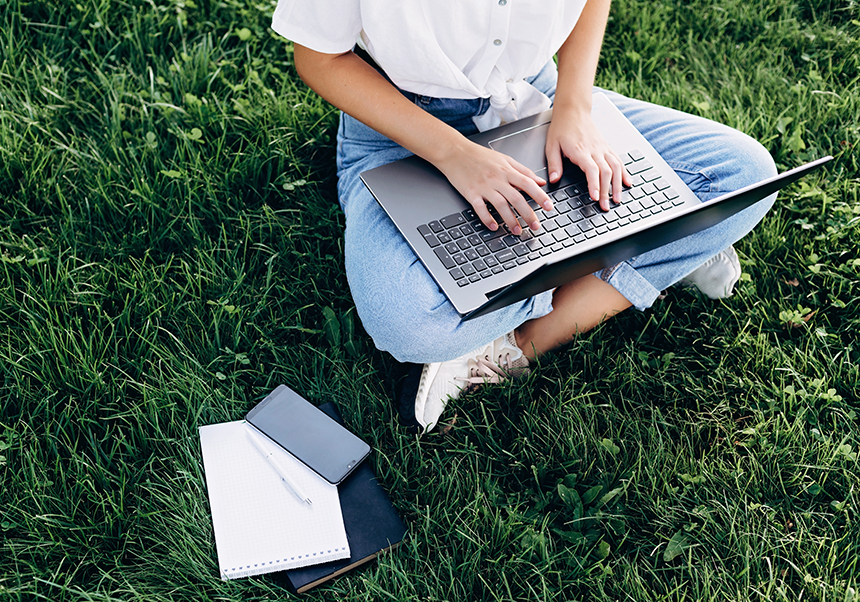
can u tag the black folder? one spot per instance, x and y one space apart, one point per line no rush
372 526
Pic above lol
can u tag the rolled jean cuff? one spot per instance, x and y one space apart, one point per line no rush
627 281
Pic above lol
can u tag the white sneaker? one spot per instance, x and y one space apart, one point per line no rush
716 278
442 381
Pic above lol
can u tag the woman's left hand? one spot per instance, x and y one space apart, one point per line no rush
574 135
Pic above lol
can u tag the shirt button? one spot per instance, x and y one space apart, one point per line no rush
502 2
497 42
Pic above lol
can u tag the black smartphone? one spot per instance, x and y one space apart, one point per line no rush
307 433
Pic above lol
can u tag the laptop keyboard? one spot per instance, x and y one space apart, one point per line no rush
472 252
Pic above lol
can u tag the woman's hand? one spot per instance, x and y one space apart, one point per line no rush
574 135
483 176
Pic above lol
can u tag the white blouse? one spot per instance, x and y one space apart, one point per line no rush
443 48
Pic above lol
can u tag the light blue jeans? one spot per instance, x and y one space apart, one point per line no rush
402 308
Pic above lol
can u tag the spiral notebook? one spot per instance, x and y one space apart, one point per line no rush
260 526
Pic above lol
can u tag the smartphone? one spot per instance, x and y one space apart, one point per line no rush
309 434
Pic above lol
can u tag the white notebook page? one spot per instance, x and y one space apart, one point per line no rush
260 525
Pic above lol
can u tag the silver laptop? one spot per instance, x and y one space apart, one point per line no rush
480 270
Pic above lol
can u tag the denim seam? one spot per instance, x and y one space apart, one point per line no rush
695 170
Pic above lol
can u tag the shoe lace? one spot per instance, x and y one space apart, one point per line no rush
483 371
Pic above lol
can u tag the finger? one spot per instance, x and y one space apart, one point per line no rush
626 178
519 203
605 183
592 176
617 175
505 212
484 214
531 184
553 162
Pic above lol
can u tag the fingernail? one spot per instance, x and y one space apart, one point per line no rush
535 225
595 194
548 205
517 230
553 176
493 226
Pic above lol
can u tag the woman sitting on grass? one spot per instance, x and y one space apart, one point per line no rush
447 69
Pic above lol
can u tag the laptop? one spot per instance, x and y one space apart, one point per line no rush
480 270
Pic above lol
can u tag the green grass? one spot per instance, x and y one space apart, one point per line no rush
170 251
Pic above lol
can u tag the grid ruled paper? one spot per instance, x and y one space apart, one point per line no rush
261 526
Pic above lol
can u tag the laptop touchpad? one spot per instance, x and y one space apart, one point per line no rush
527 147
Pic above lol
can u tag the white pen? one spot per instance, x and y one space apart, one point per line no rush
269 455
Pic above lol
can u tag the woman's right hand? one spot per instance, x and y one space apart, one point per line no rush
484 176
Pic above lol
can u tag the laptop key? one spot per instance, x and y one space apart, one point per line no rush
557 247
562 221
490 234
486 273
483 251
511 240
466 229
509 265
444 238
522 260
520 250
459 258
670 194
651 175
468 270
579 238
452 248
534 244
559 195
445 258
450 221
469 214
585 225
436 227
636 154
495 245
545 251
661 184
506 255
588 211
475 278
432 240
474 240
424 229
638 167
498 269
456 273
479 264
464 244
563 207
649 188
533 256
455 233
463 282
491 261
560 235
471 254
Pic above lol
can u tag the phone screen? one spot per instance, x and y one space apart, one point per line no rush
307 433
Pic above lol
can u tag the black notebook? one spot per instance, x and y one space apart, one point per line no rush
372 526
